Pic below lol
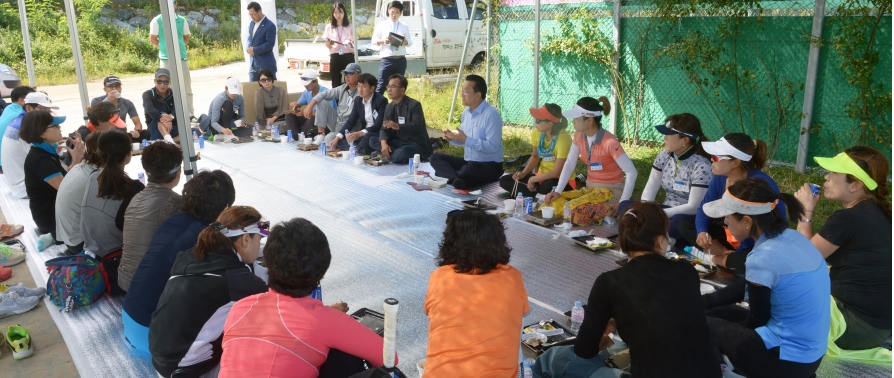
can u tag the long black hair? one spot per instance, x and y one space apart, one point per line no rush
344 21
114 148
601 105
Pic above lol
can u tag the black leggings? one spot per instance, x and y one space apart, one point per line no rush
750 357
507 183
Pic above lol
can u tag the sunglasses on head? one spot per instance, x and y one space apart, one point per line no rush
163 82
722 157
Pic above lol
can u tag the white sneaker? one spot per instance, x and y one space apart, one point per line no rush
20 290
14 305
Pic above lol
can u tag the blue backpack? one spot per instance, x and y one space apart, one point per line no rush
75 281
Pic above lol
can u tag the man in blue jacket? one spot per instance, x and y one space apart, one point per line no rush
365 120
261 42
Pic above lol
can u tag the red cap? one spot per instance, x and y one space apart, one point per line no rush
542 113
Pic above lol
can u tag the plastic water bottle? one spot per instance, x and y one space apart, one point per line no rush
274 132
301 137
141 177
352 152
577 316
289 136
195 138
201 142
254 130
519 205
317 293
527 372
411 169
566 213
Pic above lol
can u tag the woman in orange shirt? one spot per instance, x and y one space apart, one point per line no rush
475 301
608 166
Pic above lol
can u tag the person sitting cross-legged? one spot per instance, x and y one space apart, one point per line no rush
330 119
551 145
284 332
126 109
297 121
365 119
481 135
160 108
226 115
404 132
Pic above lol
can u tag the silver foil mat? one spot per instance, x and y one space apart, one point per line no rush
383 241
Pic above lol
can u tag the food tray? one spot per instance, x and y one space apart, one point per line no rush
582 241
565 338
537 218
371 319
476 204
308 147
333 153
241 140
270 140
375 162
709 271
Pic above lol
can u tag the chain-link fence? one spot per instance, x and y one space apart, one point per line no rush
740 67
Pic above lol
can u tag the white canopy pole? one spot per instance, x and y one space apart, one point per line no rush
76 52
177 87
462 59
26 40
536 54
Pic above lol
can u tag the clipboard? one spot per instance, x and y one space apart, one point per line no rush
396 40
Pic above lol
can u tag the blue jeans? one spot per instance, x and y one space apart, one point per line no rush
388 67
561 361
674 220
254 70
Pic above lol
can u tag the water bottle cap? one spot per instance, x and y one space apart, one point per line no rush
578 304
526 364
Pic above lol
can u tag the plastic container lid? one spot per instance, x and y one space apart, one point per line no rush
578 304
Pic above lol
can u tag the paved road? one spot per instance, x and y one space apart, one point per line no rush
206 83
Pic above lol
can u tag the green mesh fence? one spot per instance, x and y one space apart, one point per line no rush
737 69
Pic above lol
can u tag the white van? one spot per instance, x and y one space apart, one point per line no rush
437 28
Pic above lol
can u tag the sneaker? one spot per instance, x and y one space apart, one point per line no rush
10 257
14 305
20 290
5 274
9 230
45 241
19 340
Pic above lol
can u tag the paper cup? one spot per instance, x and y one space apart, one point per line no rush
136 146
420 365
509 204
418 179
358 160
284 138
548 212
308 141
346 155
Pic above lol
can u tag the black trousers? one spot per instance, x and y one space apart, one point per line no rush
336 64
751 358
388 67
507 183
144 135
74 249
299 124
735 262
228 116
464 174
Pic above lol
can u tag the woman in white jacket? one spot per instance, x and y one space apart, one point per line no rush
682 169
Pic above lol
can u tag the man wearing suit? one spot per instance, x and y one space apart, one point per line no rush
404 132
365 120
261 42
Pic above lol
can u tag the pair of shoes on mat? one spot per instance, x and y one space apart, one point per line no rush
18 299
19 340
45 241
10 255
20 290
9 230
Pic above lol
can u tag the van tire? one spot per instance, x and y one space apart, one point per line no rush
477 61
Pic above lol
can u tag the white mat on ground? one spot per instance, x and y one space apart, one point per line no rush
383 241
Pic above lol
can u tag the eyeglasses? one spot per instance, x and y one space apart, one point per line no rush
264 80
539 121
716 158
163 82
